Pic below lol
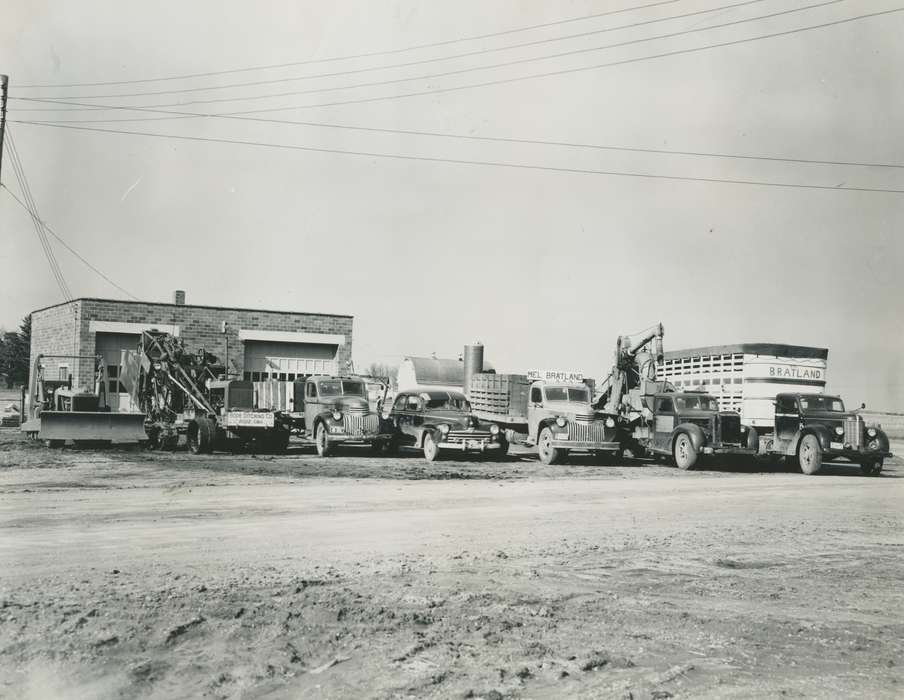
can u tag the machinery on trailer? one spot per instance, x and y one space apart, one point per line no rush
555 416
816 428
184 393
655 419
56 411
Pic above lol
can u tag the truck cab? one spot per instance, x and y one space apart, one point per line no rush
560 418
816 427
336 410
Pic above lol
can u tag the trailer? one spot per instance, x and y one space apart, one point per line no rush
57 412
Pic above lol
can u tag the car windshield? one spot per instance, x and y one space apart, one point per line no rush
704 403
450 402
567 393
821 403
341 387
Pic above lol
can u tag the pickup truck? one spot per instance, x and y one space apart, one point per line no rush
554 417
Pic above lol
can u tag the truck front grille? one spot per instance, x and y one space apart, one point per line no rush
853 431
731 429
588 432
361 425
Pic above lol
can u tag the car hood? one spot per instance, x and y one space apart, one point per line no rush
570 408
455 419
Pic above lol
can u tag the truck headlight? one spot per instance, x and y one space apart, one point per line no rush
871 432
610 423
444 429
839 430
494 429
560 421
337 416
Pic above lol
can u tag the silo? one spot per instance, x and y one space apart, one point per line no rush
473 361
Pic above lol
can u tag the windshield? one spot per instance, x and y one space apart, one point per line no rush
704 403
337 387
449 403
567 393
821 403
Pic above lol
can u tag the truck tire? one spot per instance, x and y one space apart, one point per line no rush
683 452
322 440
201 432
548 453
431 449
809 454
871 467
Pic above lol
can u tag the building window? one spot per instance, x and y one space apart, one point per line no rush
63 373
114 385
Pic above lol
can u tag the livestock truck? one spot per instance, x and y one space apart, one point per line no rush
555 417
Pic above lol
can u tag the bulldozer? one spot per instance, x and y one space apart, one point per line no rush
56 411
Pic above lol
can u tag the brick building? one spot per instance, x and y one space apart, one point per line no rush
283 345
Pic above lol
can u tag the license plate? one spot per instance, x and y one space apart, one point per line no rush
336 429
836 446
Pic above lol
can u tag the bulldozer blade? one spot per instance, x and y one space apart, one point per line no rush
89 425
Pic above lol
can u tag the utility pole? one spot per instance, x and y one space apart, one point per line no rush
4 81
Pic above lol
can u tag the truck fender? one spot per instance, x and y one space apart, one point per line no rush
545 423
821 433
753 439
695 432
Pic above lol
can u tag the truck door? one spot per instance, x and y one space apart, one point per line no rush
664 422
311 407
534 411
787 417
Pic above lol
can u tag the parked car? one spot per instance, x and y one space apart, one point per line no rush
437 421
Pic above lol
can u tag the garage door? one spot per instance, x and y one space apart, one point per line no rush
110 346
288 361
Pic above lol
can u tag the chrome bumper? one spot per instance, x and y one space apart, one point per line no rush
586 445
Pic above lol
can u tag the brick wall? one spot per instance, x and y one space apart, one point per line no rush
54 332
53 329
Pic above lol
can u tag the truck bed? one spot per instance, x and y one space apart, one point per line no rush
500 397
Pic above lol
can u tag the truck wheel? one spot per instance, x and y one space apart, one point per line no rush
322 441
871 467
684 452
431 449
548 453
809 455
200 436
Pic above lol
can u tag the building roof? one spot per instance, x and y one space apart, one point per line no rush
195 306
769 349
443 371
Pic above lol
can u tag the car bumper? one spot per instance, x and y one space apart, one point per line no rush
470 445
359 438
586 445
857 455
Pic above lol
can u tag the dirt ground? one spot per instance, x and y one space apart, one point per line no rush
132 574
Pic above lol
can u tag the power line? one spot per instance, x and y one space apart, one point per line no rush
32 208
66 245
461 71
668 54
468 54
371 54
492 139
458 161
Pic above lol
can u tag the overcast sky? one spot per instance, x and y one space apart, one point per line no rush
545 267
